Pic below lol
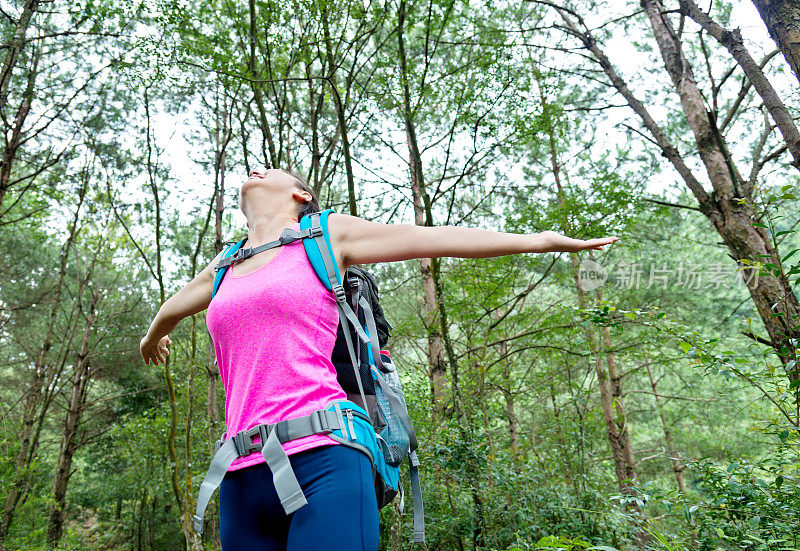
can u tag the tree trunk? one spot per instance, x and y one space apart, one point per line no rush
267 141
621 418
140 528
616 429
677 466
15 46
185 505
728 207
511 416
731 217
340 115
223 134
610 396
732 41
75 406
15 133
436 361
782 18
560 436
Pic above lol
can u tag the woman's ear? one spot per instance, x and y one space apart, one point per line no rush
301 196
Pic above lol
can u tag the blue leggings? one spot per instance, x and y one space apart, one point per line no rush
341 514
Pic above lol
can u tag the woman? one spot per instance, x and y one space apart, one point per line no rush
273 324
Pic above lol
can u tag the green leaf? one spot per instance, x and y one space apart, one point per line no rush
685 346
778 481
789 254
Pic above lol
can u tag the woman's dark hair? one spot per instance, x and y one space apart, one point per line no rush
311 206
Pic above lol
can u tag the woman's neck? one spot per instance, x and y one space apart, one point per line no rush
267 227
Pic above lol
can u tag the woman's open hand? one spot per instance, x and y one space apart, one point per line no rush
155 352
586 244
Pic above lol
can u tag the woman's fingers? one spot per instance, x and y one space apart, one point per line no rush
599 243
157 354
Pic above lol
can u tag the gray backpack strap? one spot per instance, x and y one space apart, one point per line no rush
416 497
373 332
286 485
226 454
287 236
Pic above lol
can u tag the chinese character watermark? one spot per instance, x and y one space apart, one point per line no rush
637 275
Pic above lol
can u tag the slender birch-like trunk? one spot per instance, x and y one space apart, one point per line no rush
75 406
436 360
677 466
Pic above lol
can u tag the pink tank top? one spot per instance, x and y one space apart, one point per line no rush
274 330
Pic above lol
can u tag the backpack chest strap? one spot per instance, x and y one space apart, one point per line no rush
287 236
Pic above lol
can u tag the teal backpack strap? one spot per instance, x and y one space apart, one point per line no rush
221 270
320 254
314 252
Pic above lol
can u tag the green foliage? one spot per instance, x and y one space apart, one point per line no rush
747 504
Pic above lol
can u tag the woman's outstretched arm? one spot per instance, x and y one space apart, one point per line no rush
193 298
364 242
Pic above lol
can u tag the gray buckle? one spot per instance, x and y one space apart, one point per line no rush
243 441
341 294
288 235
263 432
315 231
319 422
240 252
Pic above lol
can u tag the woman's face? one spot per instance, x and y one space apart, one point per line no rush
270 179
271 182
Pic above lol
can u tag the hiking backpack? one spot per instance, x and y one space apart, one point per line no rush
374 418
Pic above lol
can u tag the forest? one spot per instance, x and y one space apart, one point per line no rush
642 397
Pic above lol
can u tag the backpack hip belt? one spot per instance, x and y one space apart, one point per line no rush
271 436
